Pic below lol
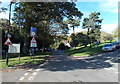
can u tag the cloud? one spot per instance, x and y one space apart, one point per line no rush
79 29
109 6
5 0
109 28
4 15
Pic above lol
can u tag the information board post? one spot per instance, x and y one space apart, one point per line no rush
15 48
19 58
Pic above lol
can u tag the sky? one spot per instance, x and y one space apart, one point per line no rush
108 12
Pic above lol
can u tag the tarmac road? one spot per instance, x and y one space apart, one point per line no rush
62 68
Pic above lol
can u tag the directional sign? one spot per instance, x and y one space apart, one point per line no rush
8 42
33 31
33 42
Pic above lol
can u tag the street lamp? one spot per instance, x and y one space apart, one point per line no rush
11 2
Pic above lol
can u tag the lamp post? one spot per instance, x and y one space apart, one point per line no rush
13 1
9 28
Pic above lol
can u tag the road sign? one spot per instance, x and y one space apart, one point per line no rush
33 31
8 42
14 48
33 42
8 35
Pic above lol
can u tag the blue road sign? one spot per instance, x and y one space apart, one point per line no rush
33 31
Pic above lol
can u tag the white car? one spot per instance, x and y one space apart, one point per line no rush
108 47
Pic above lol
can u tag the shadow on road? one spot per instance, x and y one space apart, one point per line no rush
62 62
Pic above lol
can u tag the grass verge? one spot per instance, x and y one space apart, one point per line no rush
85 51
26 60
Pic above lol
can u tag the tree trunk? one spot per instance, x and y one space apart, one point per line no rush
73 30
25 47
88 32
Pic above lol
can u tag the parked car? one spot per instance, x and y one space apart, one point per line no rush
117 44
109 47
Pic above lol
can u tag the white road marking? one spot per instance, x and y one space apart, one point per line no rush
22 78
30 70
112 68
35 73
106 68
31 78
37 70
26 74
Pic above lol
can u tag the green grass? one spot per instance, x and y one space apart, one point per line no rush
85 51
23 61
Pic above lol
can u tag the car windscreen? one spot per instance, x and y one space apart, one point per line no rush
115 43
107 45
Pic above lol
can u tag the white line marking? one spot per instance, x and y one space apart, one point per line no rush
22 78
30 70
106 68
112 68
37 70
35 73
31 78
26 74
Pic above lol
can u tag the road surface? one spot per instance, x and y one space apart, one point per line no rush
62 68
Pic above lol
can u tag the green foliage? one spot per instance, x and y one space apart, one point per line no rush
93 26
47 17
116 33
106 36
78 38
74 22
62 46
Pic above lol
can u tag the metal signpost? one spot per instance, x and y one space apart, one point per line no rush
33 43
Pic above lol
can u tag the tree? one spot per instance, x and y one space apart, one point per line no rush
106 36
82 39
47 17
74 22
116 33
93 26
78 38
4 23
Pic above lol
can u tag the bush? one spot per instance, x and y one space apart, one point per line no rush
62 46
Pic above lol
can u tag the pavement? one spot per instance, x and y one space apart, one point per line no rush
62 68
